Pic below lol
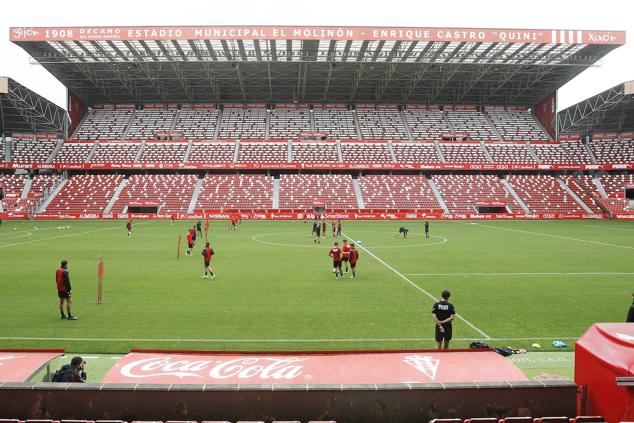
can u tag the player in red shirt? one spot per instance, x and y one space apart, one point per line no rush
345 252
207 253
323 228
354 257
339 227
129 227
63 290
206 228
190 243
335 253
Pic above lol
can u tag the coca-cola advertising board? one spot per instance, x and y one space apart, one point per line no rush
19 365
317 369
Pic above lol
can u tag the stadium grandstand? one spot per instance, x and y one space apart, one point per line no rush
290 122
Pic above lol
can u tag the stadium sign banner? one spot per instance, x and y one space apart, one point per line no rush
313 166
317 368
345 33
301 214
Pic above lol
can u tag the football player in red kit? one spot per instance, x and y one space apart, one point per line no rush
345 253
335 253
207 253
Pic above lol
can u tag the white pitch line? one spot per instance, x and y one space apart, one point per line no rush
610 227
274 341
554 236
64 236
406 279
525 274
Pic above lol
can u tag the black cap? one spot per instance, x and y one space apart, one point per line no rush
76 361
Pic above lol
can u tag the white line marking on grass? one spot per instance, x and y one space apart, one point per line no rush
257 237
610 227
272 341
418 287
65 236
556 236
525 274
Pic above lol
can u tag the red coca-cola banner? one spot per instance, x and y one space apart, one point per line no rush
314 166
570 137
314 369
19 365
606 136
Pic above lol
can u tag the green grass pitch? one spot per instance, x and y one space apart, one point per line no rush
513 283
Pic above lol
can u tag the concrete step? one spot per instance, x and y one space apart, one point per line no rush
276 193
194 199
357 192
115 196
517 198
52 194
570 192
437 194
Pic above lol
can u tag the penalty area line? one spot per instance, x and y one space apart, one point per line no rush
406 279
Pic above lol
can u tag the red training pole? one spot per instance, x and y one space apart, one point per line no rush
178 253
100 279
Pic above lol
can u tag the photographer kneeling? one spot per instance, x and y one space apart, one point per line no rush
73 372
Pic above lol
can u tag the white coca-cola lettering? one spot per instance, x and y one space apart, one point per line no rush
244 368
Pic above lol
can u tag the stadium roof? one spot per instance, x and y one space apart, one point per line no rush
22 110
610 111
270 64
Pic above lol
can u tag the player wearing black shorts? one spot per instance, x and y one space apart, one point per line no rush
403 230
426 229
354 257
443 313
317 233
335 252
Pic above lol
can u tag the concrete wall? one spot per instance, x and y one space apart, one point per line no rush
352 403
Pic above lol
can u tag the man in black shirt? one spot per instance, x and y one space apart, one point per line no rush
426 229
443 313
630 313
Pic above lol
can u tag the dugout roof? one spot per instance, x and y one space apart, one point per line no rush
270 64
609 111
25 111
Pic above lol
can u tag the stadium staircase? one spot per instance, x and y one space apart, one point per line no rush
139 153
7 151
115 195
276 193
439 152
495 128
339 153
357 192
532 152
516 197
128 125
55 151
57 188
188 151
195 194
597 183
406 126
590 153
357 127
438 195
236 151
27 187
486 152
573 195
92 151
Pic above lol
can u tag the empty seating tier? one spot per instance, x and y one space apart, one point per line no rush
299 191
462 193
263 152
358 152
174 192
576 151
146 123
426 124
462 153
73 153
85 194
397 192
614 186
115 152
510 153
415 153
212 152
543 194
554 154
12 186
381 125
583 191
242 123
104 125
473 123
163 152
517 125
336 123
197 124
236 192
27 151
613 150
288 123
315 152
